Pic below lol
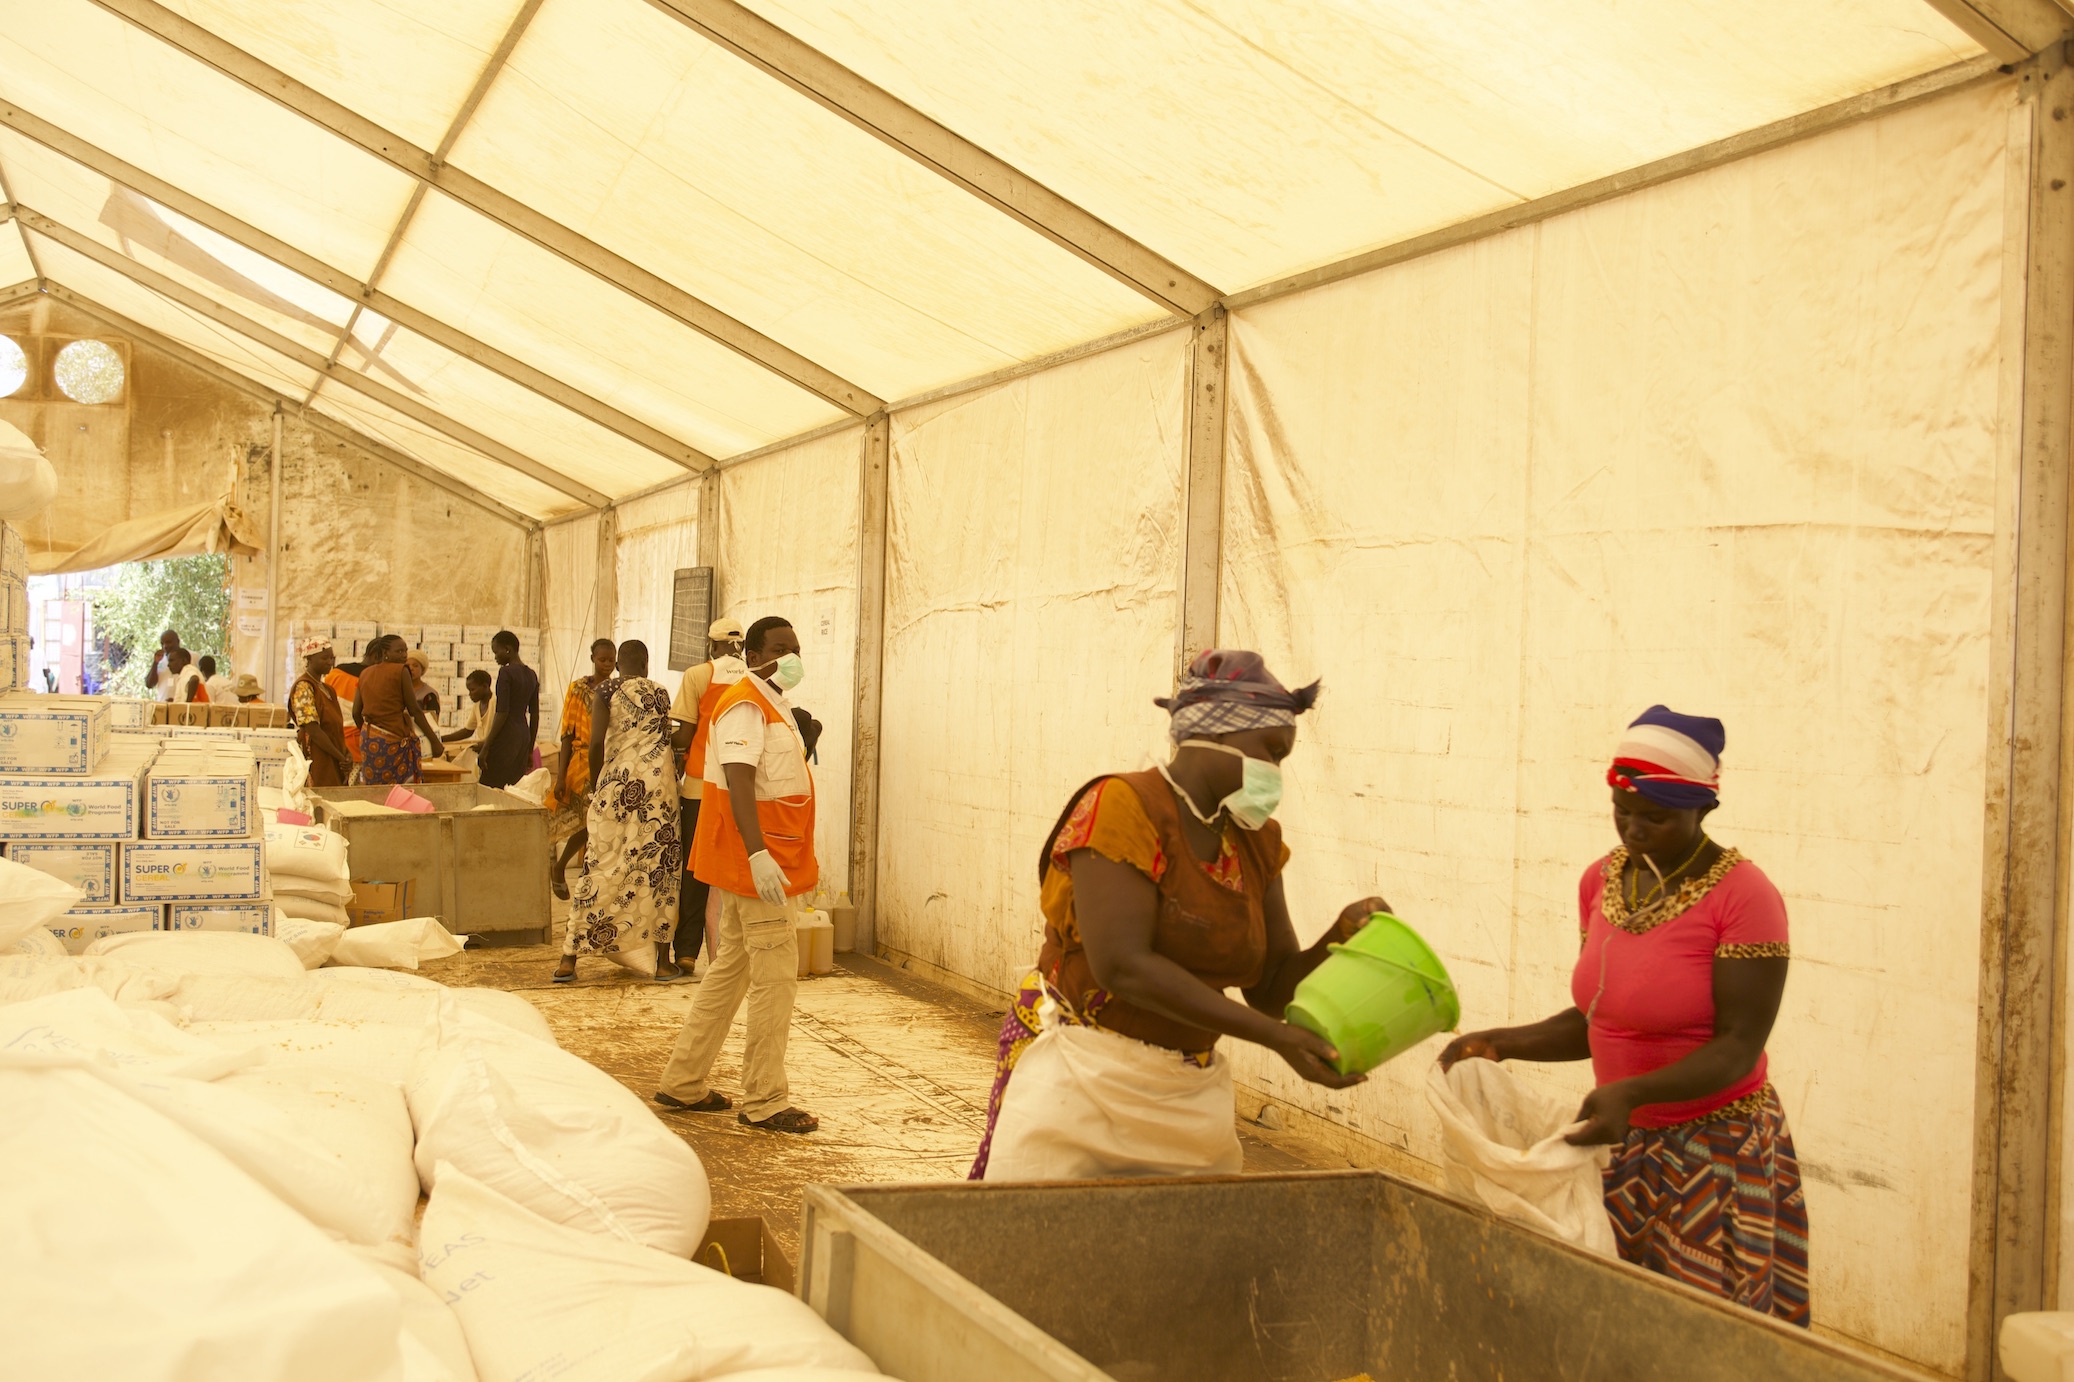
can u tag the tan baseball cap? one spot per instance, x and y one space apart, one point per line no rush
725 631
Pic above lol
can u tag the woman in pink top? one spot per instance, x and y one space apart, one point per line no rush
1682 964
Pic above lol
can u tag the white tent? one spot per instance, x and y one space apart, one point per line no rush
1510 367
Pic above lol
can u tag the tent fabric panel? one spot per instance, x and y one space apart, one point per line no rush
809 493
1728 444
1249 139
268 368
657 534
572 614
79 66
624 125
15 265
84 201
407 67
492 478
1033 550
503 289
511 413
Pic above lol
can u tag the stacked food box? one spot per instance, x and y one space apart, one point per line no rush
14 608
157 833
451 651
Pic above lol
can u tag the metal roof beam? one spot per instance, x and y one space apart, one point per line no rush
320 110
175 291
2010 29
900 126
223 374
64 143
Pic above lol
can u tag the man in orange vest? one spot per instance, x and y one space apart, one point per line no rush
755 847
697 696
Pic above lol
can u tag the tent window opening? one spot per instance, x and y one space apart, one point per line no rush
14 367
89 372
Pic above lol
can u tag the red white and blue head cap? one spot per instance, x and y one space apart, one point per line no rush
1671 759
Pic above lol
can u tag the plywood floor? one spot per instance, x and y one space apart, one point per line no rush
898 1070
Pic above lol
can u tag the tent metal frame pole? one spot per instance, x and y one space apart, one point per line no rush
2019 1055
709 534
898 125
1202 497
175 291
513 214
222 374
607 596
874 486
66 145
2011 30
272 646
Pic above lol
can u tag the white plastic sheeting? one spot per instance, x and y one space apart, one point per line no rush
1727 444
657 535
573 615
788 546
1033 553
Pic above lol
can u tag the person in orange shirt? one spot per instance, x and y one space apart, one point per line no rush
698 695
344 681
755 847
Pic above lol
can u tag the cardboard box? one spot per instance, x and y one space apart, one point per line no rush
202 792
17 603
82 926
89 867
255 917
479 633
409 633
52 734
354 630
440 633
14 551
270 771
376 900
440 651
106 804
193 870
746 1250
127 712
269 744
154 733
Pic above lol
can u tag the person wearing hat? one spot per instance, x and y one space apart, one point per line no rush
425 696
320 723
698 692
246 689
1680 969
1161 890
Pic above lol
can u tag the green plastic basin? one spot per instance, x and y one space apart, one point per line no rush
1377 996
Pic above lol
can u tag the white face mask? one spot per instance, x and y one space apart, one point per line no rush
786 673
1260 790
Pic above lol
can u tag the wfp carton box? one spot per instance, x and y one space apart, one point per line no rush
106 804
87 866
377 901
269 743
255 917
128 712
202 792
270 771
51 734
17 603
440 633
193 871
354 630
82 926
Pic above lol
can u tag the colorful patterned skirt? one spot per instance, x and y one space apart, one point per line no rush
1717 1204
387 759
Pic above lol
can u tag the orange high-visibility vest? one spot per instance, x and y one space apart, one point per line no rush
709 705
719 854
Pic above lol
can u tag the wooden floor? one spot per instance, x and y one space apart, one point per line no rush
898 1070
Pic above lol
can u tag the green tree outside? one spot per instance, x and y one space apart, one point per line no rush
190 594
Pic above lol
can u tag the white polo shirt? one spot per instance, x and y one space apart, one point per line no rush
740 734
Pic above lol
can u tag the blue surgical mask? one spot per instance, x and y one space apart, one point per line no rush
788 673
1260 789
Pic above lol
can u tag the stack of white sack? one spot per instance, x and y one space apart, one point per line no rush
215 1159
311 879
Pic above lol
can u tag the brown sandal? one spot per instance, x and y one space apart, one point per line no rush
714 1102
784 1120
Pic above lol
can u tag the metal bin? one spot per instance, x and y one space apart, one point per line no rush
1281 1278
482 872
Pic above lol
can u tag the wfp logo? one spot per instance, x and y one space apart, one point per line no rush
203 869
171 795
8 729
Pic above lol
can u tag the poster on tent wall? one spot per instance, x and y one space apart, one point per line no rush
1729 444
1033 554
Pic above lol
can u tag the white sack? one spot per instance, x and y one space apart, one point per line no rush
30 900
538 1299
28 481
86 1023
41 942
533 786
299 907
432 1344
23 977
361 976
288 885
307 852
556 1134
402 944
200 952
512 1009
380 1050
1502 1147
360 1121
129 1249
295 782
312 941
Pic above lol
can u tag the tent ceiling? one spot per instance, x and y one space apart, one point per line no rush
562 250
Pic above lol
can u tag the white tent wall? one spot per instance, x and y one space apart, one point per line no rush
1033 549
658 533
573 617
788 546
1728 444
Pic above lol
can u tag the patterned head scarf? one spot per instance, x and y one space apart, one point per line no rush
1673 760
1229 690
313 646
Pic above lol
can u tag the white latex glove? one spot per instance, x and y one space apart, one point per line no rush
771 881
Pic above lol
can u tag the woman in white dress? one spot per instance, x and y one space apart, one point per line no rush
624 907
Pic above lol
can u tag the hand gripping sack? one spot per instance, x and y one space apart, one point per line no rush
1503 1148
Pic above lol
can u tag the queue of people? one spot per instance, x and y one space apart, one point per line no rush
374 722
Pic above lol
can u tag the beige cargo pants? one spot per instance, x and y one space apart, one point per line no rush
754 949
